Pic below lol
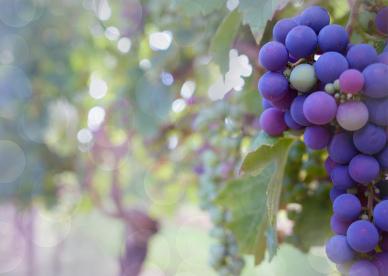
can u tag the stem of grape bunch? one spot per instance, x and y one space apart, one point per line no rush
338 103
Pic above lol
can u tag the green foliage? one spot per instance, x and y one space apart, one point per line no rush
254 198
199 7
223 38
256 14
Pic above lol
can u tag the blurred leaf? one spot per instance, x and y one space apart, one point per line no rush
312 226
199 7
256 14
223 38
254 207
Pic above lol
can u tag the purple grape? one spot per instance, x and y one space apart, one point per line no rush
301 42
266 103
297 111
341 148
382 20
363 268
338 250
338 225
333 38
382 158
352 115
330 66
381 262
364 168
341 178
282 28
351 81
273 86
272 121
383 58
285 102
378 111
334 193
360 56
347 207
376 80
370 139
316 137
315 17
362 236
320 108
329 165
380 215
273 56
290 122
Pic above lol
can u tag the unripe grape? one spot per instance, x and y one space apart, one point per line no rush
303 77
352 115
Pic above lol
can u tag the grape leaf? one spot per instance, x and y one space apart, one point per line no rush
220 44
254 197
192 8
256 14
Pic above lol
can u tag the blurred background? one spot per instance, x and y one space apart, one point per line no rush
111 112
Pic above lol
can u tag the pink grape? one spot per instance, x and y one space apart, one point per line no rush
352 115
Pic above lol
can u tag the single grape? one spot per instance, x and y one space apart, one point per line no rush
320 108
315 17
363 268
352 115
380 215
360 56
370 139
273 56
290 122
272 121
297 111
338 225
362 236
330 66
383 58
351 81
376 80
316 137
341 149
303 77
382 158
301 42
329 88
364 168
273 86
382 20
333 38
285 102
338 250
282 28
329 165
347 207
378 111
334 193
341 178
381 262
266 103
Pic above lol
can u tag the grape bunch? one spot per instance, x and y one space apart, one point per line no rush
336 94
216 165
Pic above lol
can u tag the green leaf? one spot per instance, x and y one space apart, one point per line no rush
223 38
254 198
192 8
256 14
246 199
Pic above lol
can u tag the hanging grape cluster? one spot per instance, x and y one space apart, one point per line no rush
336 94
217 163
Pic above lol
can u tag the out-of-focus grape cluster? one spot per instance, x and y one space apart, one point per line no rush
334 93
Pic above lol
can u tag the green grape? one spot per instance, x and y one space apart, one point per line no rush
303 77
